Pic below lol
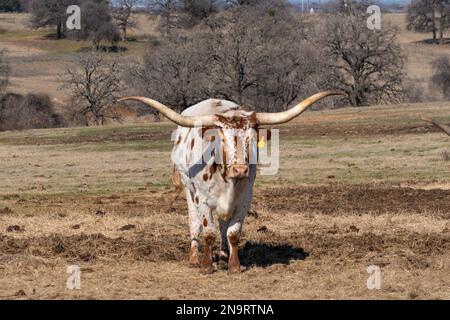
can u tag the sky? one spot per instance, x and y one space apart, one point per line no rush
382 1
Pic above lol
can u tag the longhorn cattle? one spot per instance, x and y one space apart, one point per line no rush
213 158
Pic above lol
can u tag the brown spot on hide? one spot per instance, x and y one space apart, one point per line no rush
205 177
213 169
192 144
205 222
238 122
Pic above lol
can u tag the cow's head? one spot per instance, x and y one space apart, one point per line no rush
237 129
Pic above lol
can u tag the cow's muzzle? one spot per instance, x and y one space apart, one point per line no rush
238 171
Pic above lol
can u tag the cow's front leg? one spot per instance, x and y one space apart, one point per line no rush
233 235
223 225
195 229
208 235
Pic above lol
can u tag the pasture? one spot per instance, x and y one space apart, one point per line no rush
356 187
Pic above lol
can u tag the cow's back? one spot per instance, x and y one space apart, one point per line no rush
210 106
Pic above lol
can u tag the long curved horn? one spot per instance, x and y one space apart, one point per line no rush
441 126
283 117
179 119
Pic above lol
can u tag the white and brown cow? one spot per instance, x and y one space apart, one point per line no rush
214 160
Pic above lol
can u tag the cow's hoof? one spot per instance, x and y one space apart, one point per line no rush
194 260
235 270
207 270
193 264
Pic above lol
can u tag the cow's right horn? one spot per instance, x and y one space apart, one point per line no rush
179 119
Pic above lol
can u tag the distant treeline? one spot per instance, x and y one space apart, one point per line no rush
13 5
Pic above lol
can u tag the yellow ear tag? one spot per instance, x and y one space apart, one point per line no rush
261 143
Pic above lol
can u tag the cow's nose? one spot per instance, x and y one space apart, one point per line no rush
238 171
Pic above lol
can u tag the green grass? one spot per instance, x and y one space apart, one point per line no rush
72 135
145 145
134 158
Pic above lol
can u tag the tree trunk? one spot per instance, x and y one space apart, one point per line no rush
433 24
167 26
95 119
124 29
352 99
59 31
443 21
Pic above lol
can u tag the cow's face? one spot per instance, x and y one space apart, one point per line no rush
238 136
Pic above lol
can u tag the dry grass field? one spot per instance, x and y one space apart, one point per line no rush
37 61
355 188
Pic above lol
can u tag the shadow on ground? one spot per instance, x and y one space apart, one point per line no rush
264 255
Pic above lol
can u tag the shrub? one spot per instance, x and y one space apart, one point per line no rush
33 111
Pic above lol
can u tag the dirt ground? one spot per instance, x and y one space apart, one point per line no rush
299 243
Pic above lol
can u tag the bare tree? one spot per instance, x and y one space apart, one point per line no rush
4 73
366 64
173 72
235 3
258 55
422 16
10 5
94 84
97 23
50 13
167 9
123 15
443 7
198 10
441 76
252 55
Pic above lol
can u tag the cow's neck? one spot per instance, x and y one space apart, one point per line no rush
229 193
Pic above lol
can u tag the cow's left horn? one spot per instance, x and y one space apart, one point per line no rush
179 119
288 115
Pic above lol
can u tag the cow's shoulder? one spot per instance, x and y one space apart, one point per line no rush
210 106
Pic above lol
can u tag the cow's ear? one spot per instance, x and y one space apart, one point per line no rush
263 135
